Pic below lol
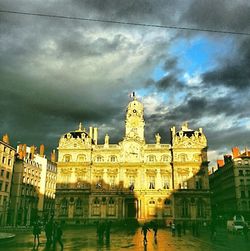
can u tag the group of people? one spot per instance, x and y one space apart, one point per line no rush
53 233
103 230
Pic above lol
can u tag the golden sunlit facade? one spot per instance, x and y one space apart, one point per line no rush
132 179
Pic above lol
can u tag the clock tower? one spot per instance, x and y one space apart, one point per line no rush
134 124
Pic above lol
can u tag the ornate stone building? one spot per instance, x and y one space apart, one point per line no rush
132 179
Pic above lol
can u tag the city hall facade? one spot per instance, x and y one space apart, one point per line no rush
132 179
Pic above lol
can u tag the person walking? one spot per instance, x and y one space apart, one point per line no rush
57 236
245 231
155 229
49 232
107 231
36 233
145 229
173 229
178 228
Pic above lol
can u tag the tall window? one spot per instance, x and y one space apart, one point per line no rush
151 182
200 208
165 182
112 181
64 207
67 158
185 208
111 207
96 207
78 207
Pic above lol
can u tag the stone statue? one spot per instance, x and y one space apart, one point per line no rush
106 139
157 138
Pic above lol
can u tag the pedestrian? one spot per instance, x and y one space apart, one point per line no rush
193 228
145 229
184 227
173 229
213 231
49 232
155 228
57 236
178 228
107 231
36 233
245 231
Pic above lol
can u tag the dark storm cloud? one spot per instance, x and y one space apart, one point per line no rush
219 14
234 73
56 73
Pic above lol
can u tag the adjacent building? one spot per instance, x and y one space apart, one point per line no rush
33 186
230 185
7 157
132 179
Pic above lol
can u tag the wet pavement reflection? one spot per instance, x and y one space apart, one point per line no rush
85 238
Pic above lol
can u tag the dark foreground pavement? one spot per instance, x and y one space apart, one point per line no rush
84 238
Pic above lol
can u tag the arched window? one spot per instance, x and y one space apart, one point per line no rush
64 207
113 158
185 211
81 158
78 207
182 157
151 208
67 158
151 158
165 158
111 207
96 207
99 158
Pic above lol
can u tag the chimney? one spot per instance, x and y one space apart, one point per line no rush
95 135
220 163
236 152
6 139
20 151
24 151
53 156
32 151
41 152
227 158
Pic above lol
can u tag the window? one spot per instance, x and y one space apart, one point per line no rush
78 207
151 182
247 172
200 208
8 175
96 207
6 187
2 172
242 194
165 158
99 158
112 181
241 173
3 160
165 182
64 207
198 183
67 158
111 207
9 162
241 182
1 185
151 158
113 158
246 162
184 208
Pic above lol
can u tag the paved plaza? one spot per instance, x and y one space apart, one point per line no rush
84 238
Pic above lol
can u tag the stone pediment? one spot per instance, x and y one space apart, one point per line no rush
189 143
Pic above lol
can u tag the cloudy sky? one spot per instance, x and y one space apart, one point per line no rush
55 73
